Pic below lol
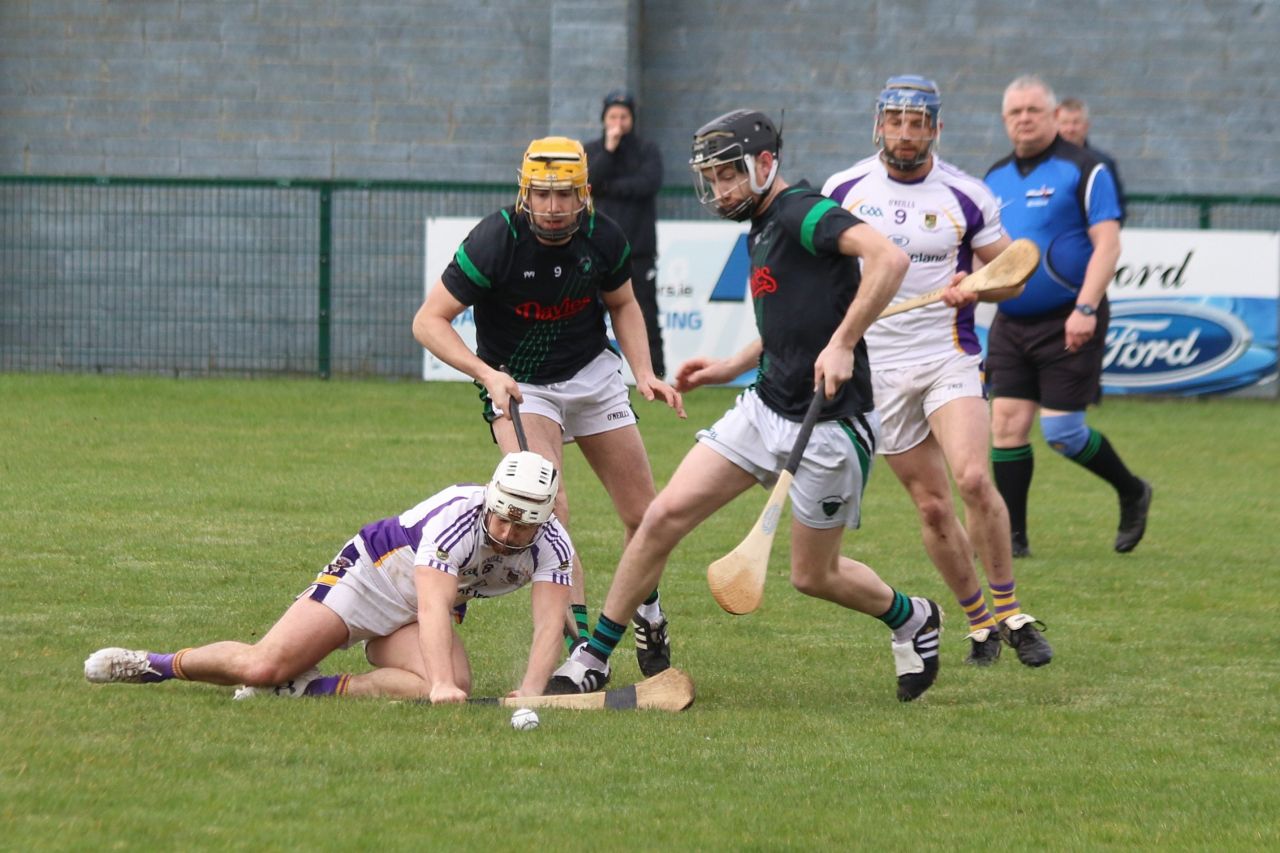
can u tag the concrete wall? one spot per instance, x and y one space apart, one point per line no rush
1183 91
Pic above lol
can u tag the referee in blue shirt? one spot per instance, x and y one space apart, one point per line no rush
1045 347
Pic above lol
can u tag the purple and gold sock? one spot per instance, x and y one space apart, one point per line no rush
975 609
328 685
1006 600
163 667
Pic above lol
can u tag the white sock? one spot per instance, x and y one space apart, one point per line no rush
919 612
650 612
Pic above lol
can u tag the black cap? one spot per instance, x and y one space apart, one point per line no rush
619 98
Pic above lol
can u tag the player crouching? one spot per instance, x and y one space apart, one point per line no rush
400 585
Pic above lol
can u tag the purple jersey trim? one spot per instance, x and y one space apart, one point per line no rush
387 535
458 530
558 544
965 336
842 191
973 221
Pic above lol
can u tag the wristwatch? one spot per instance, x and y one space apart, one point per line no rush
1087 310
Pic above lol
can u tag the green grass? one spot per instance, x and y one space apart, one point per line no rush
157 513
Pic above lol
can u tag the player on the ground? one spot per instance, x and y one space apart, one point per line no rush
926 363
811 306
400 585
541 275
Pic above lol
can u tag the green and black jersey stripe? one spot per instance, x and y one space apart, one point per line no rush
801 288
537 308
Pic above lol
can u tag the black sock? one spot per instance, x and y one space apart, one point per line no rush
1101 458
605 637
1012 468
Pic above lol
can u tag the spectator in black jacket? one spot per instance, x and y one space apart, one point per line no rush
626 174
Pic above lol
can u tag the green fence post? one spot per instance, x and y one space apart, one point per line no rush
1206 214
323 295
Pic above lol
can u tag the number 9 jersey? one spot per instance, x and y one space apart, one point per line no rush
938 222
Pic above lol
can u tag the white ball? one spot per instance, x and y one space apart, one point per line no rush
524 720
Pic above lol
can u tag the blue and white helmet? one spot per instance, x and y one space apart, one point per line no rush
908 93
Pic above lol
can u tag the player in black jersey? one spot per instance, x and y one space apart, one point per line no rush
812 305
541 274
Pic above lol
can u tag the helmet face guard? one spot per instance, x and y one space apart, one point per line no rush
735 139
523 491
554 163
908 93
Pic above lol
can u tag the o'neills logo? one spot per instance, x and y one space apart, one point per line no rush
1154 343
762 282
567 308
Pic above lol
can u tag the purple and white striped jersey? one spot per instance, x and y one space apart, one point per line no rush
938 221
444 532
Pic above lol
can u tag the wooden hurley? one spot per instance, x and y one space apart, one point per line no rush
1003 278
669 690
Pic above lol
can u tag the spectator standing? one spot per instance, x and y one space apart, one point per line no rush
1073 126
626 174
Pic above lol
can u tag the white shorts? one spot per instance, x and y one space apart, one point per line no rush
593 401
827 489
907 396
364 596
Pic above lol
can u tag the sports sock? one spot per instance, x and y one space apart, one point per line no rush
1006 600
582 629
604 639
328 685
165 666
651 609
1101 458
898 613
1012 468
975 610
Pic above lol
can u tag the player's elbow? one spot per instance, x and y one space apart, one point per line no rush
897 262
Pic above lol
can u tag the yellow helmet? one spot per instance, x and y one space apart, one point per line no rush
554 163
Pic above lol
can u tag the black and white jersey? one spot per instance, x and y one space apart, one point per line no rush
538 307
801 287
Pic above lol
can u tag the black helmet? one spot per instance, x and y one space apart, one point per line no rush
735 138
750 130
619 98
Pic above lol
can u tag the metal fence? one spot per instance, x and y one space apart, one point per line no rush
239 277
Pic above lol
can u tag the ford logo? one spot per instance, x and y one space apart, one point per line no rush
1157 342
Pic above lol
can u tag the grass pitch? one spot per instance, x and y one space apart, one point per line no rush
155 514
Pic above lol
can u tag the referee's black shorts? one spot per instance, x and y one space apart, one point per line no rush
1027 358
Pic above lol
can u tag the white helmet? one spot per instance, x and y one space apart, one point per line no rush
523 488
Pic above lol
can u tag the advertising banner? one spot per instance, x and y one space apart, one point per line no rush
1192 312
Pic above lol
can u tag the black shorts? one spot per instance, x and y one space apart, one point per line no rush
1027 359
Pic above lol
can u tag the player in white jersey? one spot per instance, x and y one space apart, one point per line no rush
926 363
400 584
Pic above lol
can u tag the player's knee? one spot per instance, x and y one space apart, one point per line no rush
266 671
974 484
664 522
812 580
1067 434
806 582
934 510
